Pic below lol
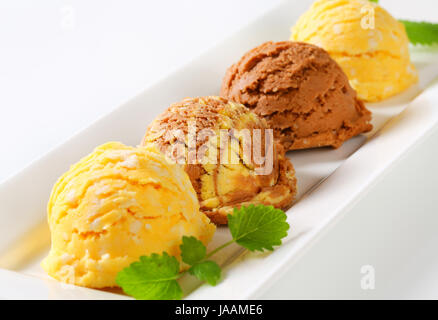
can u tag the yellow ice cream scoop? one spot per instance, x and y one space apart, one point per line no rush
371 46
115 205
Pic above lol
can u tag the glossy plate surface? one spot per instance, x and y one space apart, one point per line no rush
329 181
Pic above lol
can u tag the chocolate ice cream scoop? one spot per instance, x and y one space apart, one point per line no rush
228 152
302 93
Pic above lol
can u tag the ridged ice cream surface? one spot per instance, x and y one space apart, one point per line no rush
115 205
370 45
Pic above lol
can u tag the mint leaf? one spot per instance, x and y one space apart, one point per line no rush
258 227
154 277
207 271
192 250
151 278
376 1
424 33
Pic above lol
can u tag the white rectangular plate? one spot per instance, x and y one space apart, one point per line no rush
329 181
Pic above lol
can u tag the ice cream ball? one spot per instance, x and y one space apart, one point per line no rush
300 91
115 205
228 152
370 45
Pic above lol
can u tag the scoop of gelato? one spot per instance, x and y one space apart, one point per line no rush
115 205
228 152
301 92
370 45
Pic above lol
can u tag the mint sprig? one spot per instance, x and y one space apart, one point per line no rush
194 253
424 33
155 277
152 278
192 250
258 228
208 271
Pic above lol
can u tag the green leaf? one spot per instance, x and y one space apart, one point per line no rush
152 278
376 1
424 33
192 250
207 271
258 227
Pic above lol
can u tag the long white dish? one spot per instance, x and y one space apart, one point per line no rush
329 181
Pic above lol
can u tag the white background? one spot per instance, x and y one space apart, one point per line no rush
64 64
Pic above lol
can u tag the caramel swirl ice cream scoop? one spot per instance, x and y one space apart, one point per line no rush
228 152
